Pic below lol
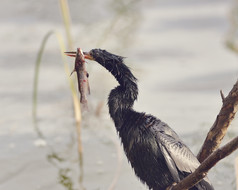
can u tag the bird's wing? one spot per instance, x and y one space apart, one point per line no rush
174 150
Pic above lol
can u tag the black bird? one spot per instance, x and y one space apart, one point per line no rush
156 153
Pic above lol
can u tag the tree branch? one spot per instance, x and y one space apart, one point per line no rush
202 170
221 124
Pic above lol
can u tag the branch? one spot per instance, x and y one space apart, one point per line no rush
221 124
207 164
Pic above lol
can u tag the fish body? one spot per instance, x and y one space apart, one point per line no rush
82 76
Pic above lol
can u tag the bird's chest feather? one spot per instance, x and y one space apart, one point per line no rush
140 146
144 154
137 138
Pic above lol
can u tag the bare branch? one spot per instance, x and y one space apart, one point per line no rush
222 122
202 170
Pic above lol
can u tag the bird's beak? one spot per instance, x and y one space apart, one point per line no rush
70 53
88 56
73 54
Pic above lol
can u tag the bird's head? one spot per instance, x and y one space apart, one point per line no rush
100 56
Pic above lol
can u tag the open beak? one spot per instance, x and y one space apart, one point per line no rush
70 53
73 54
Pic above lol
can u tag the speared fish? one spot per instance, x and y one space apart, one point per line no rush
82 75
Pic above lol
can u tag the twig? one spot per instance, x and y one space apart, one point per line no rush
222 96
222 122
202 170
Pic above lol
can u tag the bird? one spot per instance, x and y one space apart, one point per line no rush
157 155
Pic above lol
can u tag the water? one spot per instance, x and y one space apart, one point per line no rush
175 48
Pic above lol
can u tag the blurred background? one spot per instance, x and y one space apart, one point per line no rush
182 52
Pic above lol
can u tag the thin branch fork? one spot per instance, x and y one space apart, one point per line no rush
221 124
202 170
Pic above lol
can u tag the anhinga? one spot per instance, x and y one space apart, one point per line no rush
156 153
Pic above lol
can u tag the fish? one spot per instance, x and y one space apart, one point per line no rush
82 76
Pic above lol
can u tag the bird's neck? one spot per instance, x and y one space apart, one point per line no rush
120 102
121 99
